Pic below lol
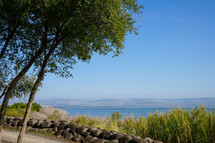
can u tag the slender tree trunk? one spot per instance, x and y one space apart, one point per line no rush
12 86
33 92
10 36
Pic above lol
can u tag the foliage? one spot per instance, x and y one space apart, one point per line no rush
178 125
116 115
18 109
36 107
22 89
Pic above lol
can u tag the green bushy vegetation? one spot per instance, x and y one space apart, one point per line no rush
18 109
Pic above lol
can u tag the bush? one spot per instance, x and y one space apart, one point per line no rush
51 113
18 109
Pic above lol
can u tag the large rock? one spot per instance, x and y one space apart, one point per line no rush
113 141
28 128
149 140
32 122
99 141
62 125
59 132
20 122
9 120
94 131
55 123
105 134
81 129
68 136
136 140
34 130
17 118
66 131
37 125
125 139
115 136
89 139
77 138
14 123
85 134
73 126
45 124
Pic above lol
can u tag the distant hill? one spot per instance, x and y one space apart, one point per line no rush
130 103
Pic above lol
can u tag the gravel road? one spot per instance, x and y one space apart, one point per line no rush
11 136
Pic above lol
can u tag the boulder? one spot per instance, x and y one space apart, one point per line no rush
59 132
89 139
14 123
17 118
85 134
33 130
28 128
99 141
43 130
37 125
77 138
46 130
125 139
20 122
105 134
136 140
66 131
62 125
68 136
73 126
32 122
115 137
55 123
81 129
149 140
94 131
45 124
55 129
114 141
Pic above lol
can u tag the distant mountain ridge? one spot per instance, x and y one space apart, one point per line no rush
129 103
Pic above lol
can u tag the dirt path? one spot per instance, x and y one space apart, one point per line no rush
11 136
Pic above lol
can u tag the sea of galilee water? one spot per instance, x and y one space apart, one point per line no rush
98 112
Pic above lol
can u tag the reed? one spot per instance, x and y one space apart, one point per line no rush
177 125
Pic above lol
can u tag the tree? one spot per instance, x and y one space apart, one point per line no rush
21 50
22 89
71 31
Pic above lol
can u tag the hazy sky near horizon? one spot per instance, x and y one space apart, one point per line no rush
172 57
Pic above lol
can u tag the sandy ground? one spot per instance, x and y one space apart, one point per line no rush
11 137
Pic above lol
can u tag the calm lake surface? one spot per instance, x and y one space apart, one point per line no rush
107 111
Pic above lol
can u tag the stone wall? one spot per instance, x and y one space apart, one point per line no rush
75 132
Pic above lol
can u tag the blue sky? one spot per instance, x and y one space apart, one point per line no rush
172 57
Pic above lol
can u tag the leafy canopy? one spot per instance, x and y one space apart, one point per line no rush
75 28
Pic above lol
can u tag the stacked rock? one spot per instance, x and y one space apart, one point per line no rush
75 132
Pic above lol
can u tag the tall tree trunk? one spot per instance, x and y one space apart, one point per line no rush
12 86
33 92
10 36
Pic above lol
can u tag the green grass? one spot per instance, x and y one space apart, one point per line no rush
178 125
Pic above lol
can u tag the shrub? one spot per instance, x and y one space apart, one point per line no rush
52 113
